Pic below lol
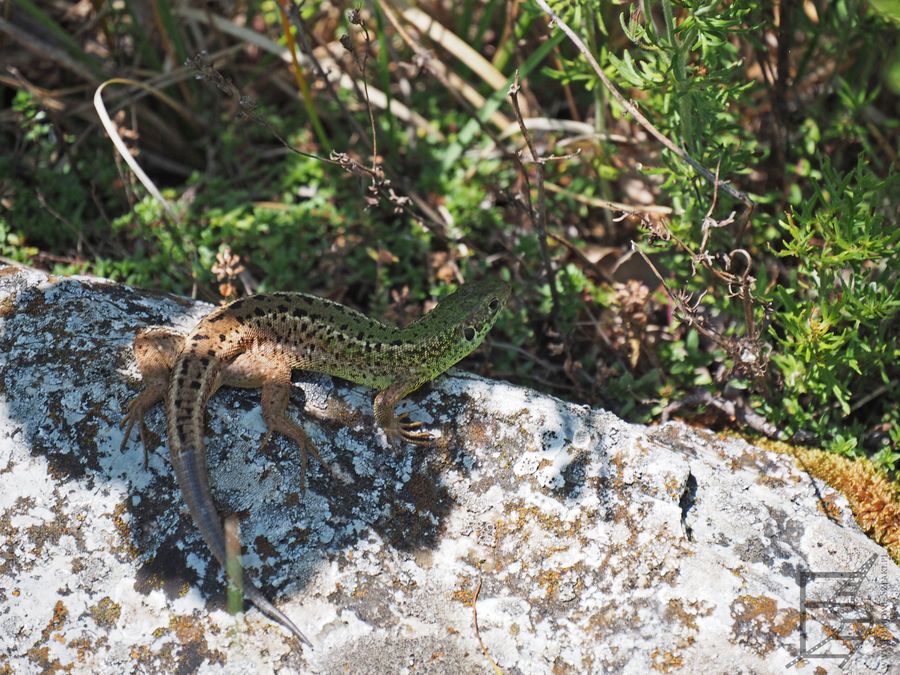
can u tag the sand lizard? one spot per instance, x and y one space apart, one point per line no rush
257 341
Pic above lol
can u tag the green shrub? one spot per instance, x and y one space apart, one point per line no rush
836 324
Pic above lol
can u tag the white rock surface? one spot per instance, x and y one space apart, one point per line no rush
593 545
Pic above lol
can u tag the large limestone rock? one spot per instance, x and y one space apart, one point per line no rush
585 544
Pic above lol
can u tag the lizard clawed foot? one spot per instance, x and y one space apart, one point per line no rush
306 449
406 430
265 441
135 412
127 421
283 425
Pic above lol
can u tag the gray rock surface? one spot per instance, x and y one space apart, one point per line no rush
584 543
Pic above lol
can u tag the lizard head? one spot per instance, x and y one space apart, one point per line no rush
477 305
459 323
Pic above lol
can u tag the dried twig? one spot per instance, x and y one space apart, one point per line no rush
749 355
737 408
354 16
739 285
233 566
539 215
428 217
604 204
378 184
484 649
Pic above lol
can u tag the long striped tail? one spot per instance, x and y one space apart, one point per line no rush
193 379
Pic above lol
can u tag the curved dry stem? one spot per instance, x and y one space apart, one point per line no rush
119 144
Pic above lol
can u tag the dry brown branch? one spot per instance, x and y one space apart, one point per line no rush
749 355
539 215
428 217
737 408
603 204
484 649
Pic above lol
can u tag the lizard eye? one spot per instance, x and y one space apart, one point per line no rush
469 333
494 304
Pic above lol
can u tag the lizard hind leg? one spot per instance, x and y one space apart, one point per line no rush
275 396
137 410
272 374
155 351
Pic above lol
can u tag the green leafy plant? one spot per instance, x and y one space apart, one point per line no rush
837 314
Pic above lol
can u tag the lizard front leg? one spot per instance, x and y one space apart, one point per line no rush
398 426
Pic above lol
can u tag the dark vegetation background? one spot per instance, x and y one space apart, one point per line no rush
769 304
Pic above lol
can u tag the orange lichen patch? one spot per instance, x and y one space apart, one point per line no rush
478 433
8 306
828 506
771 481
549 580
189 631
124 529
880 632
465 596
761 607
665 661
609 617
408 586
39 655
544 464
516 518
81 646
860 631
186 629
760 624
676 609
183 654
873 498
106 613
60 614
674 488
140 654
